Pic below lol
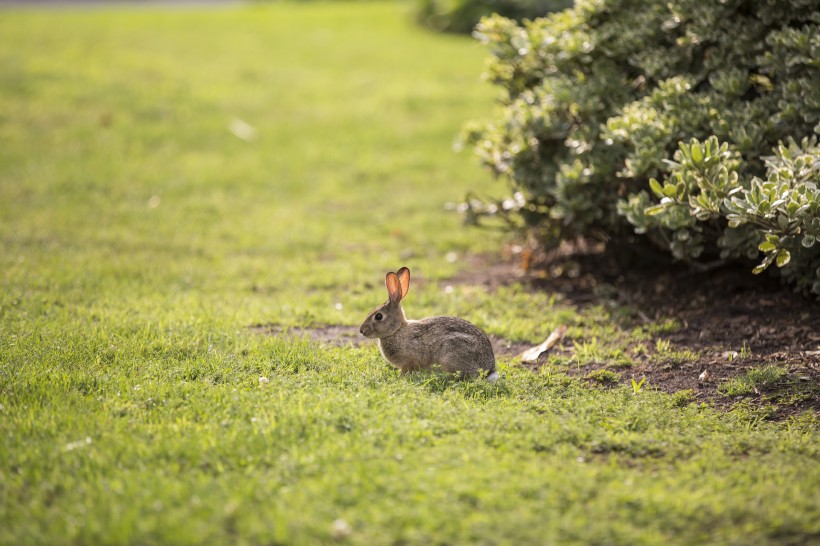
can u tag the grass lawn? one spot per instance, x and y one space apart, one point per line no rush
171 177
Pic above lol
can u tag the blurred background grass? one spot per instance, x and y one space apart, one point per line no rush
237 156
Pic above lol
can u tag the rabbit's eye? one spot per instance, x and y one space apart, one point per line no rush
378 316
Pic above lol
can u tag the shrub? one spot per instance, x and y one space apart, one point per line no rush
463 15
704 200
598 98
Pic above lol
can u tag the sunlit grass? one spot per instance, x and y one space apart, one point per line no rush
145 228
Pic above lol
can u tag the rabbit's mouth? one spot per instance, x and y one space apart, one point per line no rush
370 331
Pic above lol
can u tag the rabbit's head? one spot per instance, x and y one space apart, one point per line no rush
385 320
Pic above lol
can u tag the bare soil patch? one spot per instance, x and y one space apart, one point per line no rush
732 320
338 335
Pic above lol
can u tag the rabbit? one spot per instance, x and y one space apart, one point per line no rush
456 345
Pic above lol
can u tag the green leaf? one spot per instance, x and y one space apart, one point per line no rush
767 261
766 246
656 187
697 153
783 257
654 211
808 241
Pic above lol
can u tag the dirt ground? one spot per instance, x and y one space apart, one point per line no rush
731 320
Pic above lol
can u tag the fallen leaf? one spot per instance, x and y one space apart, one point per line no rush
243 130
78 444
531 355
340 529
705 376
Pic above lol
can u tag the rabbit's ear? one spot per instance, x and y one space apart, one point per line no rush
393 287
404 281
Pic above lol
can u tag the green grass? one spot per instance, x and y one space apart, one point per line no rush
605 377
756 378
141 239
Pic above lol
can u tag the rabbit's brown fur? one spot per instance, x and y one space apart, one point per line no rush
454 344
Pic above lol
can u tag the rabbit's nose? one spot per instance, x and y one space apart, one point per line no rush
361 330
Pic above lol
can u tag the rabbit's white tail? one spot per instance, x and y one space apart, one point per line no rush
493 377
